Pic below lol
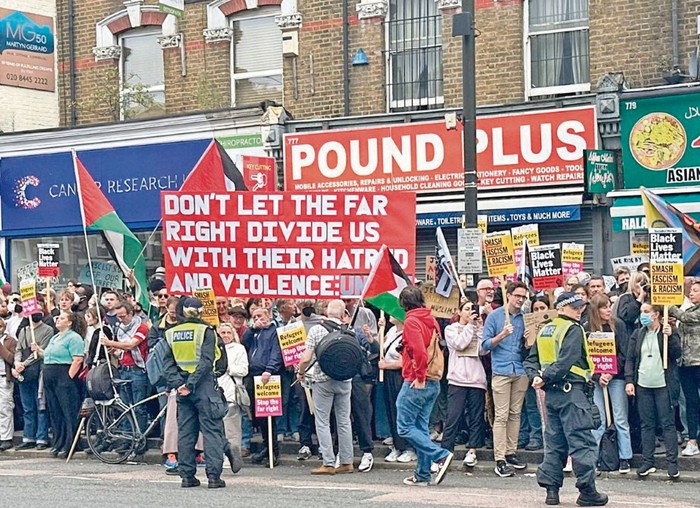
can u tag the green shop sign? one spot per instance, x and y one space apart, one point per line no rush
661 141
601 168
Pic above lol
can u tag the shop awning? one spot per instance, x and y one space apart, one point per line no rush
628 211
504 211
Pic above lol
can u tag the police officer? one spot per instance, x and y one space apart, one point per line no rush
200 407
560 364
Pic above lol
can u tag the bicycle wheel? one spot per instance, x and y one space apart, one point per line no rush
111 433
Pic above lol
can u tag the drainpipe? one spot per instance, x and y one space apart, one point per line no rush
71 63
346 59
674 33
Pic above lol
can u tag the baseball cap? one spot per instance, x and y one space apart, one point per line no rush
569 298
192 303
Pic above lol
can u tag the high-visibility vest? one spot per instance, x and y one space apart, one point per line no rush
549 342
186 340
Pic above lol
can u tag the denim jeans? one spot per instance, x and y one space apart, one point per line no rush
247 430
618 401
288 423
382 429
36 420
413 416
136 391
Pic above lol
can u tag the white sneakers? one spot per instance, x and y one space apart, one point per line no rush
366 463
690 450
393 456
569 467
407 456
388 441
470 459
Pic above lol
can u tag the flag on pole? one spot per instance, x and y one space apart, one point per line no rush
444 267
662 214
385 282
214 172
99 215
525 270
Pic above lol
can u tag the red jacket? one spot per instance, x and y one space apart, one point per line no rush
417 332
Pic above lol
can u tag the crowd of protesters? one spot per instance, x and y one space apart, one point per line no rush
484 399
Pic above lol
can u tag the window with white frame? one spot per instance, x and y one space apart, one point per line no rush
142 74
256 58
556 41
414 55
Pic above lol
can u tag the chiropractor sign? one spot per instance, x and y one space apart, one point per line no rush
531 148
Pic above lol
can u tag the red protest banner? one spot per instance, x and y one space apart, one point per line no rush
281 244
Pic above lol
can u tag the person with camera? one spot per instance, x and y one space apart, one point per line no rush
630 303
560 364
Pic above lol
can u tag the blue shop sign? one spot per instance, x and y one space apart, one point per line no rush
567 213
38 192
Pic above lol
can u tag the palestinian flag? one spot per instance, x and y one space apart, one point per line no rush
214 172
99 215
385 282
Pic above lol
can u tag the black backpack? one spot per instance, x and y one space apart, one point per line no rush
608 455
339 354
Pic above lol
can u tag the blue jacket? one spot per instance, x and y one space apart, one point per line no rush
264 353
507 355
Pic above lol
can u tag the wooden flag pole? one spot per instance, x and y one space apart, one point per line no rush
270 443
309 400
381 345
505 298
49 304
606 400
665 354
75 440
31 330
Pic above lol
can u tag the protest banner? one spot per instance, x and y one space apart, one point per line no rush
529 231
430 266
536 320
500 262
440 306
545 264
27 291
639 241
106 272
209 312
601 347
283 244
268 403
292 338
49 263
572 259
629 262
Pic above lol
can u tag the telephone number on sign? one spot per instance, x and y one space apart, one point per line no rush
26 79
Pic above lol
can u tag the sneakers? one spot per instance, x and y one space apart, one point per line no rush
569 466
690 450
673 473
443 465
170 461
304 453
436 436
646 470
27 445
324 470
591 497
393 456
366 463
503 470
552 496
413 482
624 466
388 441
173 471
407 456
434 468
470 459
513 461
337 461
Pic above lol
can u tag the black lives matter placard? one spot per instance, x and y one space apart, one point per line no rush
49 264
545 263
666 264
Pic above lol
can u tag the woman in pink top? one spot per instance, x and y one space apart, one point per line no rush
466 379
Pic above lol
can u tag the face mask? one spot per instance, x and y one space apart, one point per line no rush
645 319
103 302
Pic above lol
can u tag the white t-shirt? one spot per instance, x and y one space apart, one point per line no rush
391 342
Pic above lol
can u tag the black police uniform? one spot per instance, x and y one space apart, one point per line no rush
202 410
570 418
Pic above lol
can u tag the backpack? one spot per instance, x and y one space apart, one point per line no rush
155 363
608 455
436 359
339 354
99 382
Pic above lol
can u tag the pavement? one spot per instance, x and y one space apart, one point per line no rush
34 480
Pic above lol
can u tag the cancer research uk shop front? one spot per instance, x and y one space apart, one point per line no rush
530 170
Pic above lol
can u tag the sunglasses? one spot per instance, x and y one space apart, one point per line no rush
161 295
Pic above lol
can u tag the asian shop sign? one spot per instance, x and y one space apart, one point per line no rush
523 149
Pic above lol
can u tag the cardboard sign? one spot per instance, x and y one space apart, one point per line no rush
529 231
48 264
440 306
536 320
545 263
210 314
27 291
601 347
469 253
268 398
472 350
259 173
292 339
639 240
284 244
430 267
515 149
107 274
498 248
572 258
629 262
666 265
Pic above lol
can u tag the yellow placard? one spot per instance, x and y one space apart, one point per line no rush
27 290
640 243
272 390
292 339
483 223
498 249
440 306
572 253
209 312
666 284
529 231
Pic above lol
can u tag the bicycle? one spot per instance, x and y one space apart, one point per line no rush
112 431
